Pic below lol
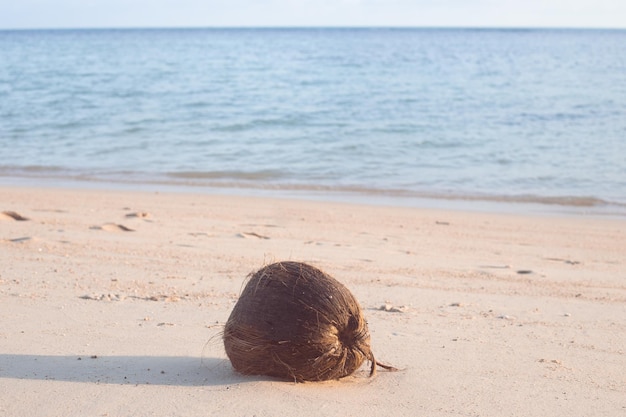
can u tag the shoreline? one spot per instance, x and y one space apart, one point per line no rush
513 204
113 302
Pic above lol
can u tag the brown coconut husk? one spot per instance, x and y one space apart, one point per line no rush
294 322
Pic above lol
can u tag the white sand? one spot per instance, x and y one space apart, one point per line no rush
96 320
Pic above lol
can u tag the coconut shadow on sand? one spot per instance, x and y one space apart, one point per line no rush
124 370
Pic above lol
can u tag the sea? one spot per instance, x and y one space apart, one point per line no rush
400 115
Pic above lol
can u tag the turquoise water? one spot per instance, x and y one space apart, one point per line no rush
516 115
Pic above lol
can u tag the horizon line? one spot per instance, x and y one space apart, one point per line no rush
317 27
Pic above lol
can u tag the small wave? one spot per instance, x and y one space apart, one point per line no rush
262 175
30 170
270 181
570 201
557 200
284 122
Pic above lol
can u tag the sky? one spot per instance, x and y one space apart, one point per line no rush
46 14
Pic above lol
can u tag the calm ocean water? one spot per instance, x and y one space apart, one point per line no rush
519 115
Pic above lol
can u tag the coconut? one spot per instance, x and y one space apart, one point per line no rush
295 322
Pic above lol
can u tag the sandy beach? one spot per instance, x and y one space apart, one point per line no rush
112 303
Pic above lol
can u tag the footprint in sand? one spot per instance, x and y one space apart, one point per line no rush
247 235
6 215
25 239
139 215
112 227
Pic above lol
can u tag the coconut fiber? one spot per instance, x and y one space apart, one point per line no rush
295 322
